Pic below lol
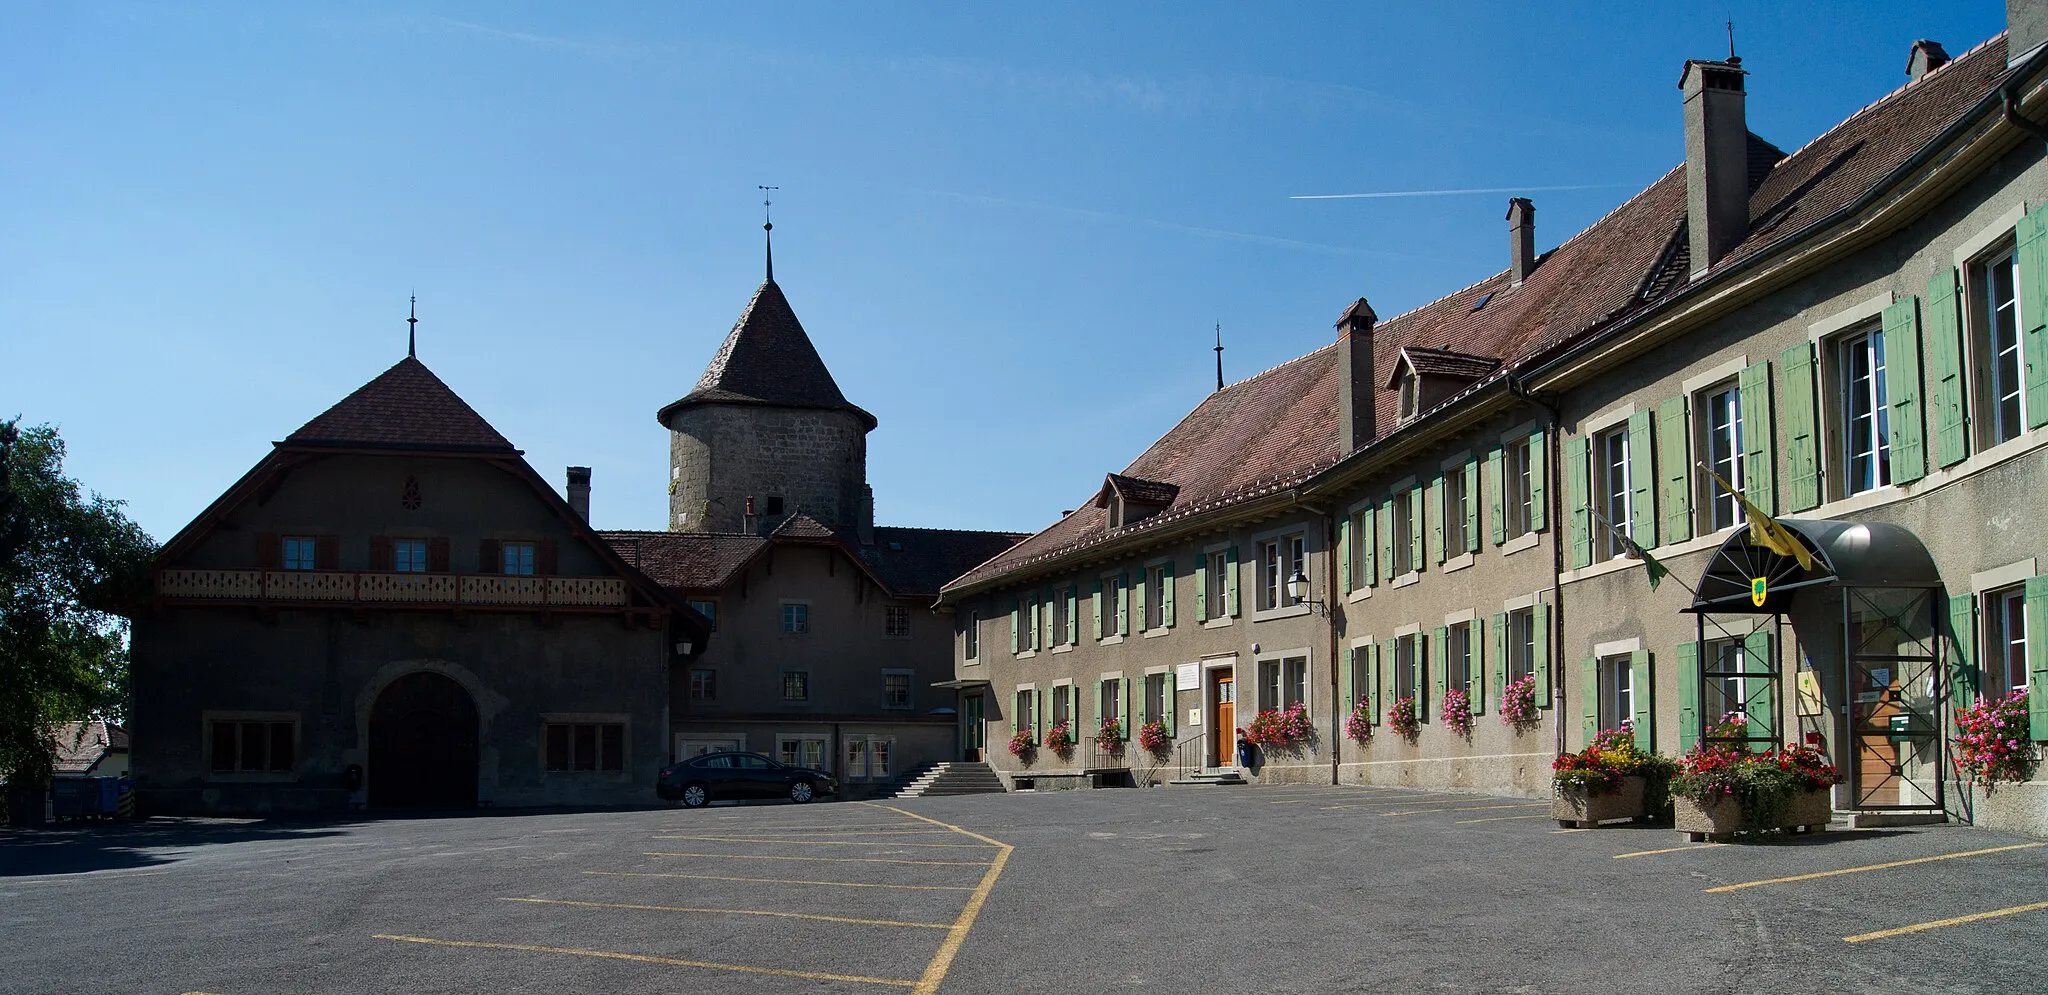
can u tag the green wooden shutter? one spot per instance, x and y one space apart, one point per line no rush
1759 448
1416 528
2032 235
2037 658
1902 389
1539 469
1095 715
1641 678
1123 604
1095 598
1496 497
1201 587
1539 623
1230 572
1802 430
1046 637
1499 671
1372 680
1475 644
1016 626
1166 599
1124 720
1674 470
1141 593
1038 717
1345 585
1437 494
1471 472
1073 614
1171 700
1385 517
1688 696
1578 453
1642 481
1347 678
1439 658
1948 408
1589 689
1962 667
1368 546
1762 706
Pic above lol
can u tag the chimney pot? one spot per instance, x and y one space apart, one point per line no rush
1521 239
1716 159
579 491
1926 57
1355 402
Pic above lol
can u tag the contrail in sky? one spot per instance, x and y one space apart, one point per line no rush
1445 193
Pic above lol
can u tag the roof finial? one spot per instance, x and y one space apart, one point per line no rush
412 329
768 227
1733 59
1219 355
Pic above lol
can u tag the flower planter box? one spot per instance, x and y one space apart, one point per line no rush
1805 812
1580 809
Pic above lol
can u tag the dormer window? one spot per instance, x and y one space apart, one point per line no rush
1113 512
1407 388
1425 378
1129 500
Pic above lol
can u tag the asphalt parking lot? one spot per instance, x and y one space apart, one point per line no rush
1284 889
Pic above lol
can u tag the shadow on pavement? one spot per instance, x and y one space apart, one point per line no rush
133 845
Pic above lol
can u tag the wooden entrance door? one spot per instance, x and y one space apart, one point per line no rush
973 731
423 744
1223 701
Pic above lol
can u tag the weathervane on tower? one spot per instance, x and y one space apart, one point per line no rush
412 329
768 226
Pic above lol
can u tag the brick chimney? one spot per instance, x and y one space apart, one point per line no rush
1926 57
1521 239
579 491
2026 25
1355 400
1716 159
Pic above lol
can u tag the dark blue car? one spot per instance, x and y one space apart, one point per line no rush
701 780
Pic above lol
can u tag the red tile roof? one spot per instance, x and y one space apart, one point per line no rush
915 563
768 360
82 745
1428 362
686 561
1278 429
405 407
908 562
1138 491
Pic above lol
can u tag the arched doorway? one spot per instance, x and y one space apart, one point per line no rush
423 744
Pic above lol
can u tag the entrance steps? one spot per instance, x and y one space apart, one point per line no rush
1212 775
954 778
1879 820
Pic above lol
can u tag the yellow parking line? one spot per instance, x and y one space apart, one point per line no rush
730 912
1474 808
1500 818
1874 867
839 831
838 884
1938 923
1668 849
646 959
749 839
942 961
836 860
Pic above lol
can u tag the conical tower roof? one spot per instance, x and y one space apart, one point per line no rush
768 360
405 407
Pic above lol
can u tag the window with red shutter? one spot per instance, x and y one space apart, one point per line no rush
437 555
380 552
269 550
487 557
544 558
327 552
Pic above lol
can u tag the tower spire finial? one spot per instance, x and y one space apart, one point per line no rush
1219 355
412 329
768 227
1733 59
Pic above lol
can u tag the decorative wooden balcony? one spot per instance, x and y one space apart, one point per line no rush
365 587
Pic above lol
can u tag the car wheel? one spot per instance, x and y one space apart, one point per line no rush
694 796
800 792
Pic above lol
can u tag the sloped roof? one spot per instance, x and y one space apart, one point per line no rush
908 562
687 561
768 360
917 562
1427 362
404 407
1278 429
801 526
81 745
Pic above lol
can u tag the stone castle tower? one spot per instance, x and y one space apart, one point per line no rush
766 433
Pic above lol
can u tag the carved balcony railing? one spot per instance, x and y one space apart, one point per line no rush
350 586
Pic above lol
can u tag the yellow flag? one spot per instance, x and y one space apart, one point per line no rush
1764 530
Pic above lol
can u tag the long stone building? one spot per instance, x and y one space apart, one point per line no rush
1443 504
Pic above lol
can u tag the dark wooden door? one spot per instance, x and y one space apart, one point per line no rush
423 745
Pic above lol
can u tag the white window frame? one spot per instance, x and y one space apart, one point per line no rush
518 558
206 722
1401 528
970 635
799 622
1216 590
1454 469
1987 379
1616 505
1517 485
709 672
1993 607
1521 650
408 556
800 741
1617 703
1707 405
1840 393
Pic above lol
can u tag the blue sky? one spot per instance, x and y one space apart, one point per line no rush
1010 231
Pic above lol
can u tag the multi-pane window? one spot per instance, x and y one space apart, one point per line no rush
1063 702
880 754
1459 672
1521 643
1719 411
1517 488
1058 607
1865 422
1269 684
708 609
1296 547
1407 653
801 751
796 619
856 758
2005 641
796 685
1217 583
1158 697
1457 494
1270 589
1294 680
1617 691
970 634
2004 369
409 556
586 746
251 747
703 684
1027 621
1404 526
1026 711
1611 491
1358 541
298 553
896 689
1728 690
517 558
1112 704
1155 597
895 621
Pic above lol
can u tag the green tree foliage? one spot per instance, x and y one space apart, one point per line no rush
68 565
